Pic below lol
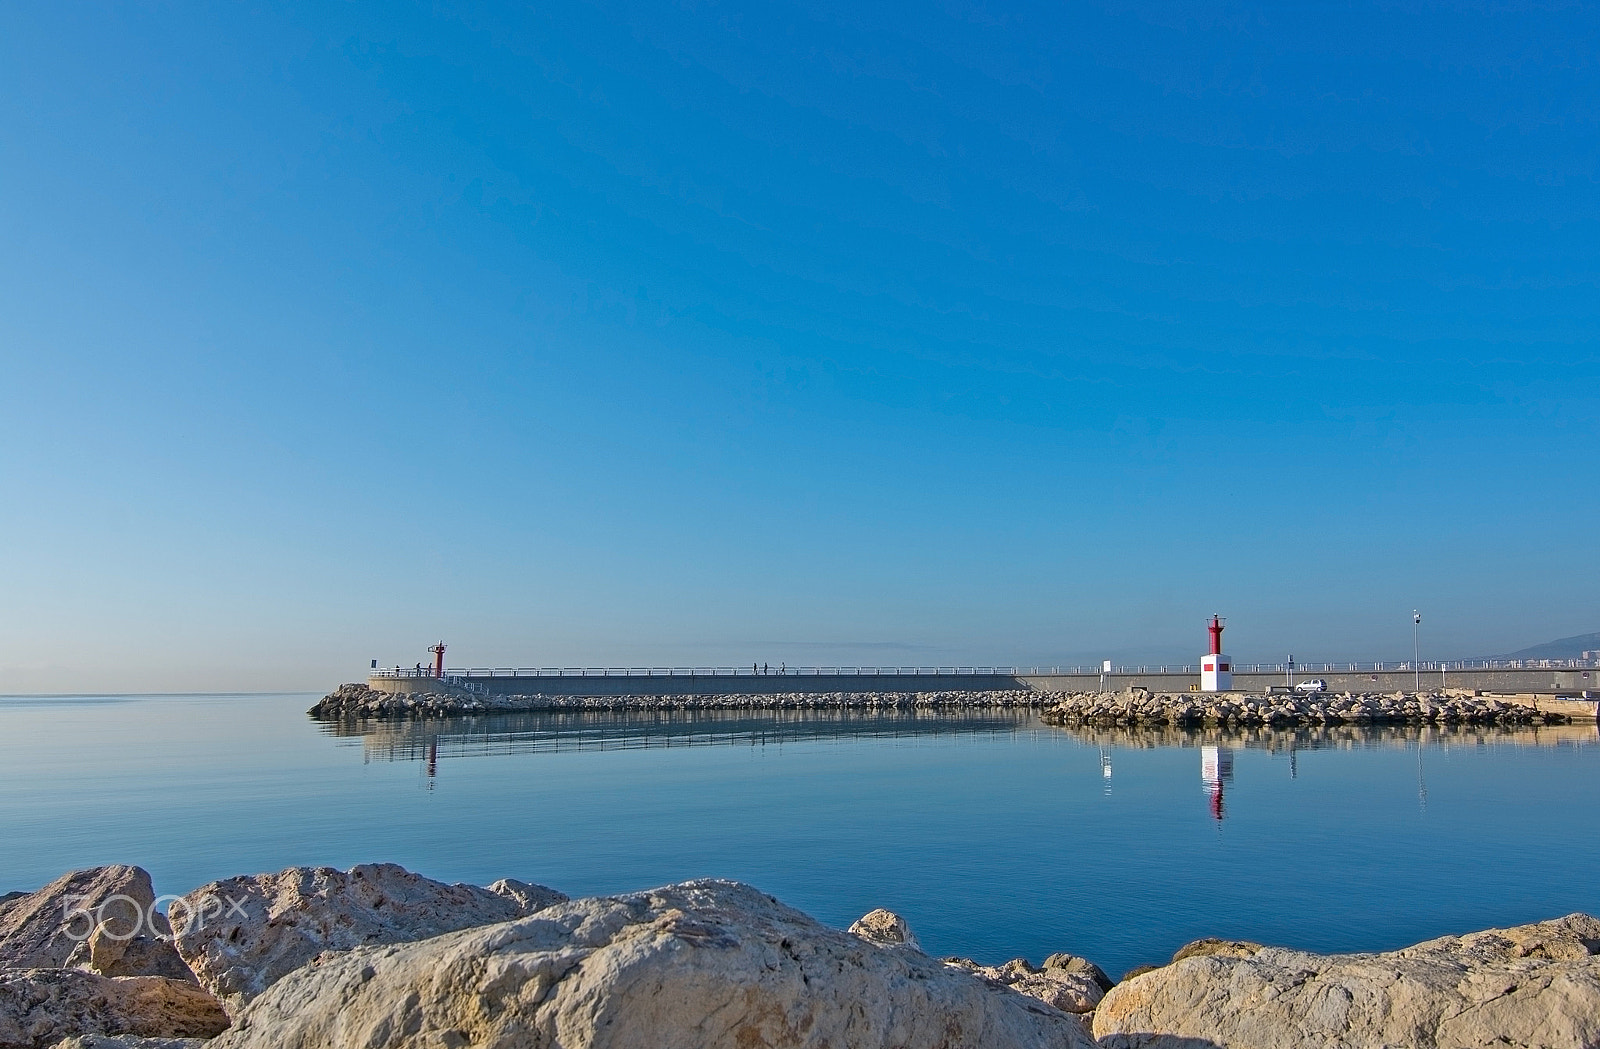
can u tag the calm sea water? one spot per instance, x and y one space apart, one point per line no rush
994 835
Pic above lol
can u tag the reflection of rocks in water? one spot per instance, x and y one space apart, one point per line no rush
1216 745
435 740
1329 737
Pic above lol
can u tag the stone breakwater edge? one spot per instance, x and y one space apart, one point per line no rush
1130 708
381 957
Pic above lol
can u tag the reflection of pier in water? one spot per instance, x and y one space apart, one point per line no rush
1216 769
1332 737
433 740
1217 745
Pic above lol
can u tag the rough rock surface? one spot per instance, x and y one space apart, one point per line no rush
1067 982
1073 964
701 965
1530 986
1071 991
43 930
1211 947
39 1007
527 896
115 955
885 928
240 935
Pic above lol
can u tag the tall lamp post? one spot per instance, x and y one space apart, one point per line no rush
1416 651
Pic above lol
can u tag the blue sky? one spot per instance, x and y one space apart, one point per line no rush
710 333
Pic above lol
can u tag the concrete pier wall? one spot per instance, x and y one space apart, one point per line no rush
713 685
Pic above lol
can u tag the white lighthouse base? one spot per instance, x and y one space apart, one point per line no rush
1216 673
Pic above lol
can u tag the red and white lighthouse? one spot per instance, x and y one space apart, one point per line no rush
1216 669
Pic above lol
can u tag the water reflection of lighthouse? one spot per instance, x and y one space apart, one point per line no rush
1216 768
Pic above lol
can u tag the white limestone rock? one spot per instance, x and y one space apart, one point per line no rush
700 965
885 928
1071 963
1533 986
527 896
242 934
1071 990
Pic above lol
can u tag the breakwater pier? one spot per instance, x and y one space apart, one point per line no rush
1133 706
1569 680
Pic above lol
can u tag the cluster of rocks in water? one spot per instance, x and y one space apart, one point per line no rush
382 958
360 701
1132 707
1140 706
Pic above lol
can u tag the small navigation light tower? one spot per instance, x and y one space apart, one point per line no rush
438 659
1216 669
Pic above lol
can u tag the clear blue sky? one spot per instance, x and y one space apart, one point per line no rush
654 333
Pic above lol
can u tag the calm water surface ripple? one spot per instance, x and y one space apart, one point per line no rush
993 834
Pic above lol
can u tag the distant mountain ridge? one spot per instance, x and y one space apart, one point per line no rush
1565 648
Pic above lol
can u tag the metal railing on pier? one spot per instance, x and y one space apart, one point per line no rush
465 675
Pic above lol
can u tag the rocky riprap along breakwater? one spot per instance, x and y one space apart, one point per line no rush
1141 707
1128 708
360 701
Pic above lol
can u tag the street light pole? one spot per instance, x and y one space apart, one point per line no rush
1416 651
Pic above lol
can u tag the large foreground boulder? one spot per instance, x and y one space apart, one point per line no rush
40 1007
42 930
242 934
701 965
1533 986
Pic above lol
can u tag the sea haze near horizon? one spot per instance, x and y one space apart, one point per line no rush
993 834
